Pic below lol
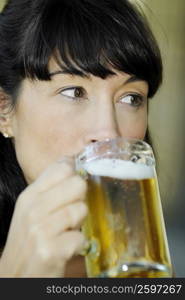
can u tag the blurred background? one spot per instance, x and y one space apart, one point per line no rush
167 119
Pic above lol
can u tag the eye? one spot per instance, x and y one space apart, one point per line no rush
74 92
135 100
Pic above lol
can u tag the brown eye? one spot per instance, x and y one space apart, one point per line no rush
79 92
74 92
133 100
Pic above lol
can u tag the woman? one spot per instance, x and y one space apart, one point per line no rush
71 73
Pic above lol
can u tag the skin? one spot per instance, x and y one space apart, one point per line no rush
49 127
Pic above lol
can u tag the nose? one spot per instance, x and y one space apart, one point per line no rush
103 125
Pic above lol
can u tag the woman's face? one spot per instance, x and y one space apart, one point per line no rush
59 117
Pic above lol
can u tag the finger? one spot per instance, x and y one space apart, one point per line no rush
53 260
70 217
70 190
72 243
54 174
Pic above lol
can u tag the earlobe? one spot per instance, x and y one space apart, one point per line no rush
6 135
5 115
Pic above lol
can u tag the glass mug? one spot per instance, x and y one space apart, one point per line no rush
125 225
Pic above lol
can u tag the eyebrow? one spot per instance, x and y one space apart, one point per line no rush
76 73
131 79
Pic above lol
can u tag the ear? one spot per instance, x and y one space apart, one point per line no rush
6 112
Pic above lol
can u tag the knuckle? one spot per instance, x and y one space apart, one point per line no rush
75 213
80 184
66 254
70 215
47 257
67 169
84 209
22 206
26 197
22 198
42 247
72 242
33 233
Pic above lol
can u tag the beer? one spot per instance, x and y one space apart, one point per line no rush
125 222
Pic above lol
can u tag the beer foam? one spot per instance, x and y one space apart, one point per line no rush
117 168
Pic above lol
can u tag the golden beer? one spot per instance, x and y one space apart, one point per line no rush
125 224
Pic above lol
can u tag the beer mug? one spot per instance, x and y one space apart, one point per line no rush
125 225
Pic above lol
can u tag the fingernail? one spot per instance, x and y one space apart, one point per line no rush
86 248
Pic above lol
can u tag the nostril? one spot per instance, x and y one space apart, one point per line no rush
93 141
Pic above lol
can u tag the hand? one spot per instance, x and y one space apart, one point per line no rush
45 229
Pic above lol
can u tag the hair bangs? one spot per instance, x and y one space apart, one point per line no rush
85 40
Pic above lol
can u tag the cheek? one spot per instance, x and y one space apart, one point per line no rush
64 136
133 125
42 141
